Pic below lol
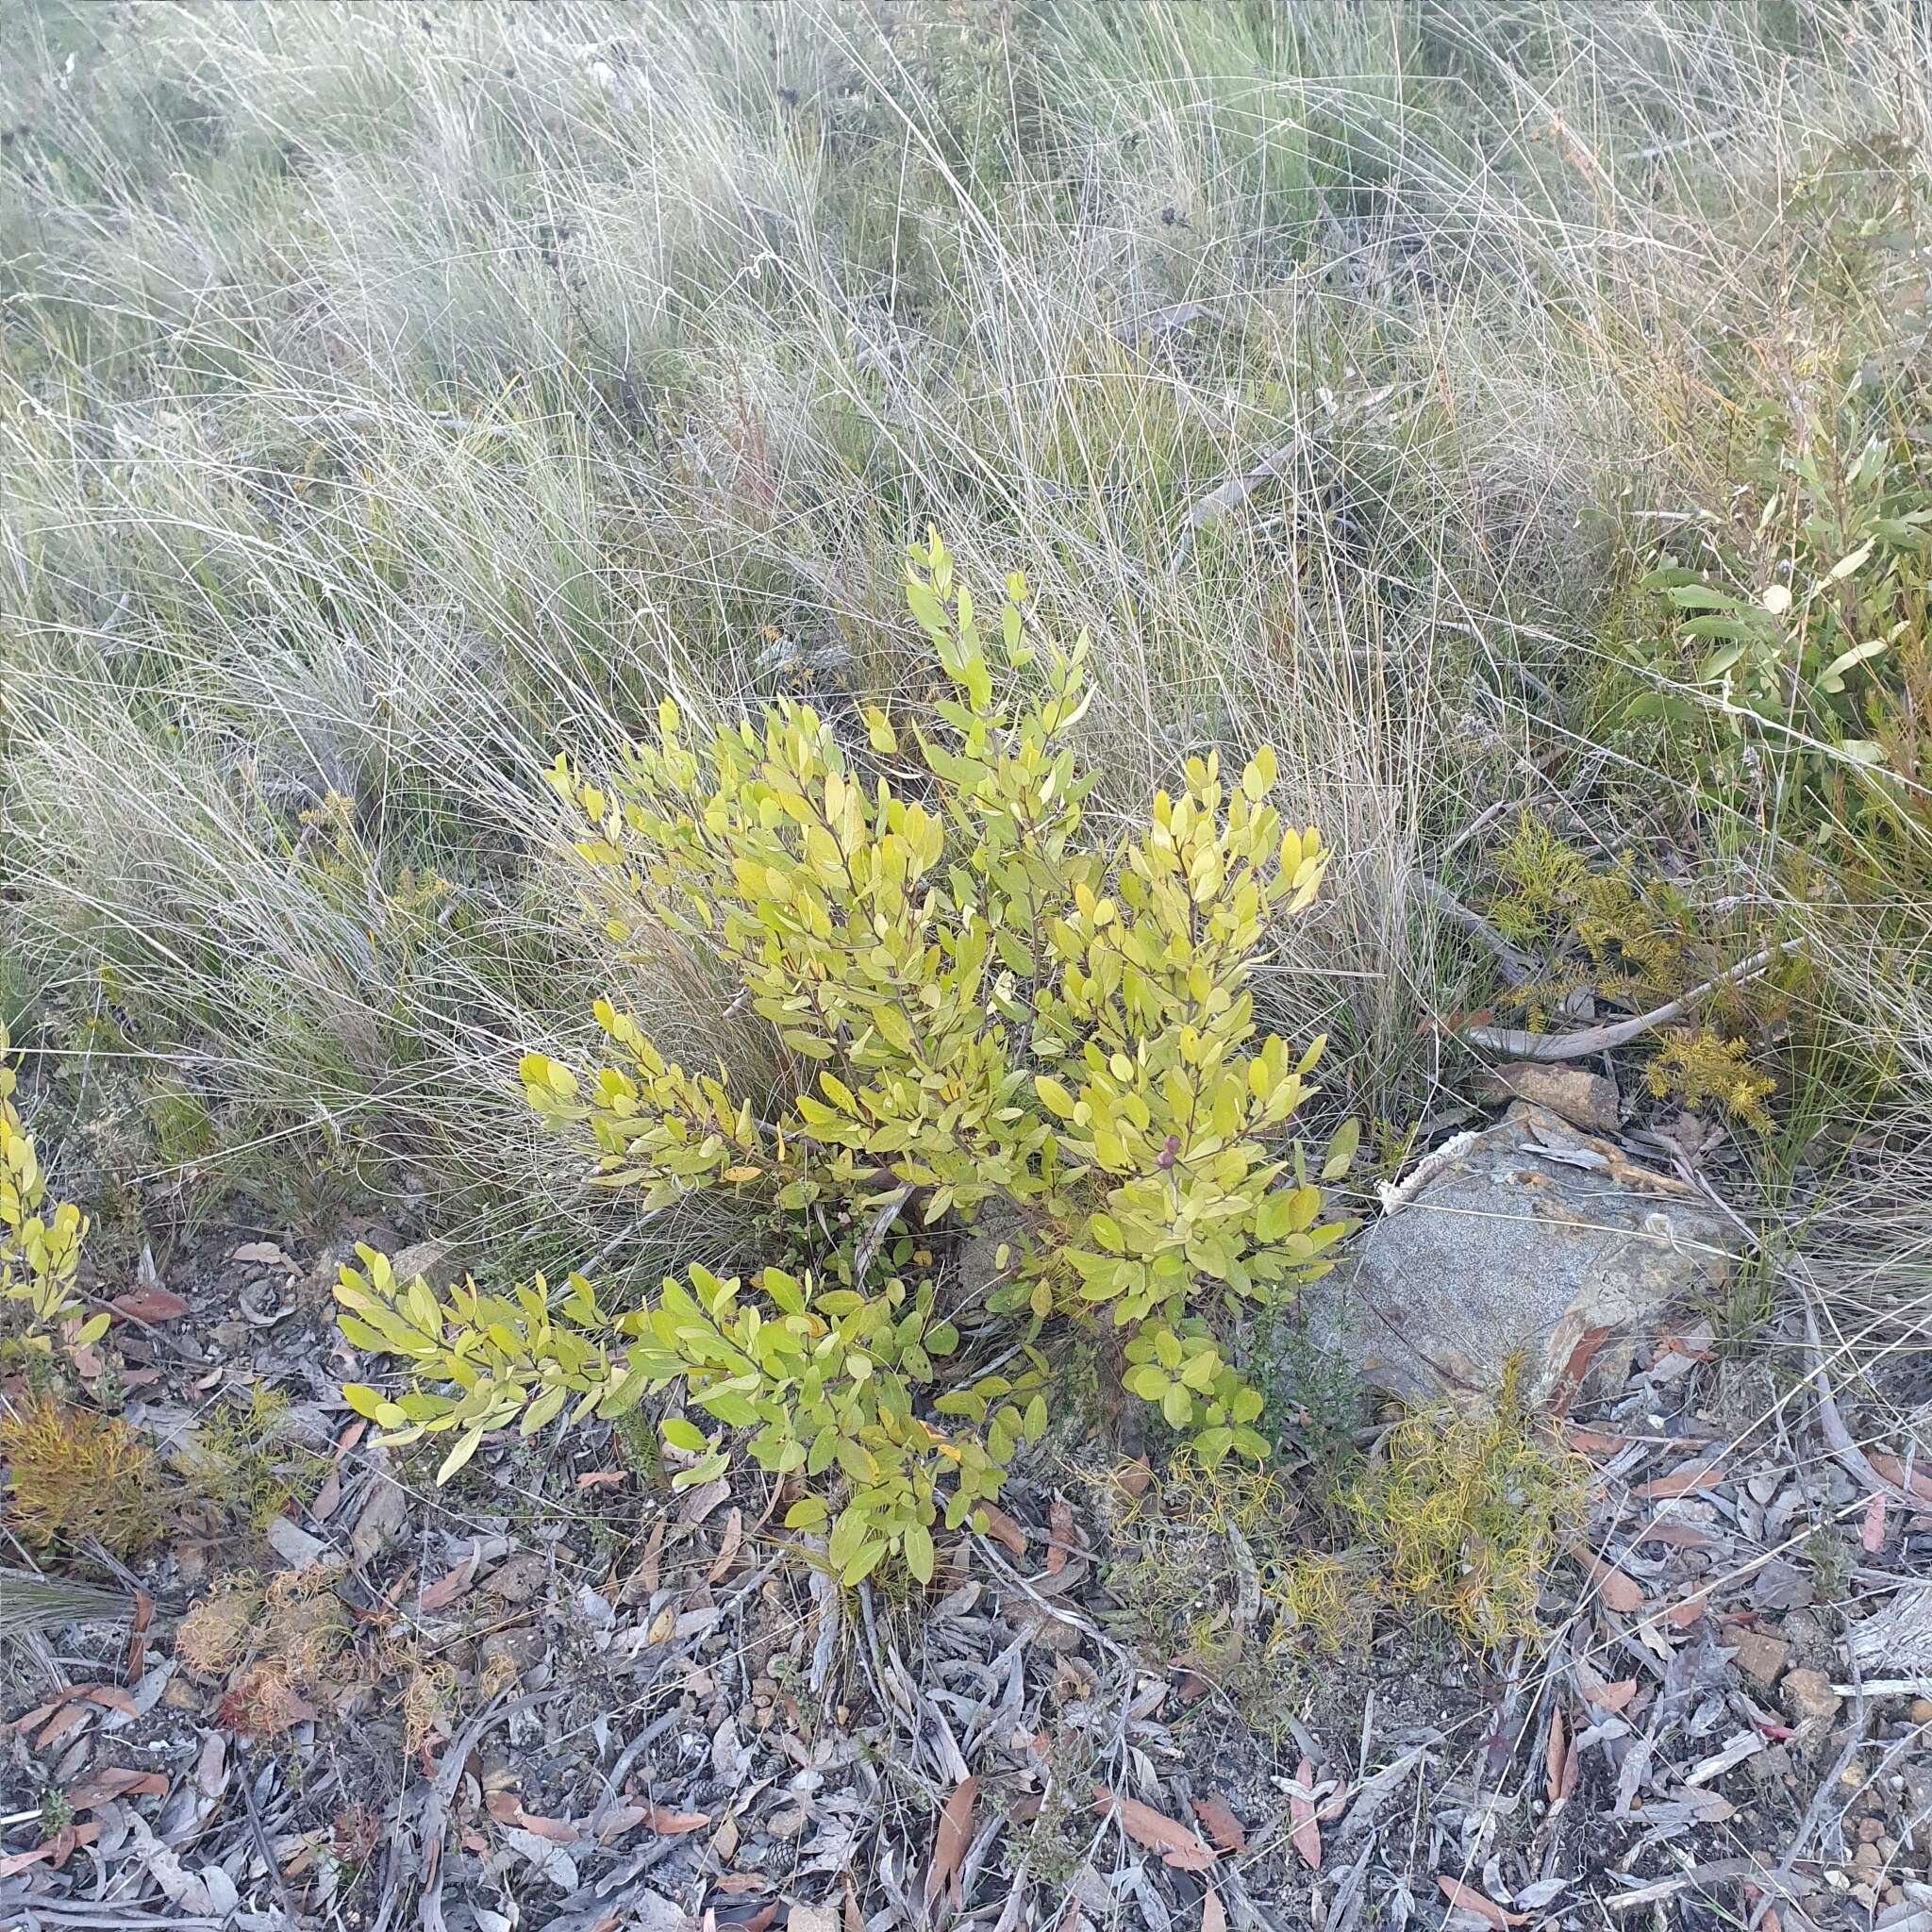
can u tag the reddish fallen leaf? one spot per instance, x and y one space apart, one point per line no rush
1470 1900
112 1696
1681 1615
1872 1537
660 1818
1002 1528
1228 1833
1680 1482
1305 1834
1593 1442
330 1494
30 1719
737 1882
1059 1518
1563 1762
453 1583
116 1781
56 1849
951 1837
1134 1476
852 1918
1599 1693
70 1717
601 1478
1620 1592
1679 1536
1917 1482
150 1304
1678 1344
503 1807
1575 1369
1214 1913
669 1822
137 1636
1177 1845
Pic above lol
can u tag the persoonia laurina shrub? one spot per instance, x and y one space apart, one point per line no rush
40 1251
978 1001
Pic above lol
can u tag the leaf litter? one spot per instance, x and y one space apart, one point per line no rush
593 1706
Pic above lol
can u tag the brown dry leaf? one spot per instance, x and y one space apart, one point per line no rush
137 1636
69 1717
699 1503
1470 1900
1177 1845
1593 1442
855 1919
1305 1833
1002 1528
1228 1833
1681 1615
150 1304
661 1819
1615 1696
668 1822
1561 1762
728 1546
453 1583
1680 1482
330 1494
1678 1536
601 1478
951 1837
1061 1524
1575 1369
1893 1471
56 1849
642 1581
1214 1913
116 1781
1620 1592
1872 1536
1134 1476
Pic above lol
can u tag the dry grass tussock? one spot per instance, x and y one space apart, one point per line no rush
387 401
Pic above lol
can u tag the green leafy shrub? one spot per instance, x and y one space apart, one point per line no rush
975 1000
39 1253
1803 628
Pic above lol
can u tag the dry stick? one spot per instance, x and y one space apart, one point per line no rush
1833 1423
1589 1040
875 1235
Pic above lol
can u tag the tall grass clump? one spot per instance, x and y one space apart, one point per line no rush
388 401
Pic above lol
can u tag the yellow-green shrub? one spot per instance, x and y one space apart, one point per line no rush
975 999
40 1254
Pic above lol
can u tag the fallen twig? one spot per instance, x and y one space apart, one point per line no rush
1589 1040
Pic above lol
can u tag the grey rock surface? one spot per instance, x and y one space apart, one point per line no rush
1516 1239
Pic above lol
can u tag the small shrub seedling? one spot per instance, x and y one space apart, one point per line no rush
975 998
